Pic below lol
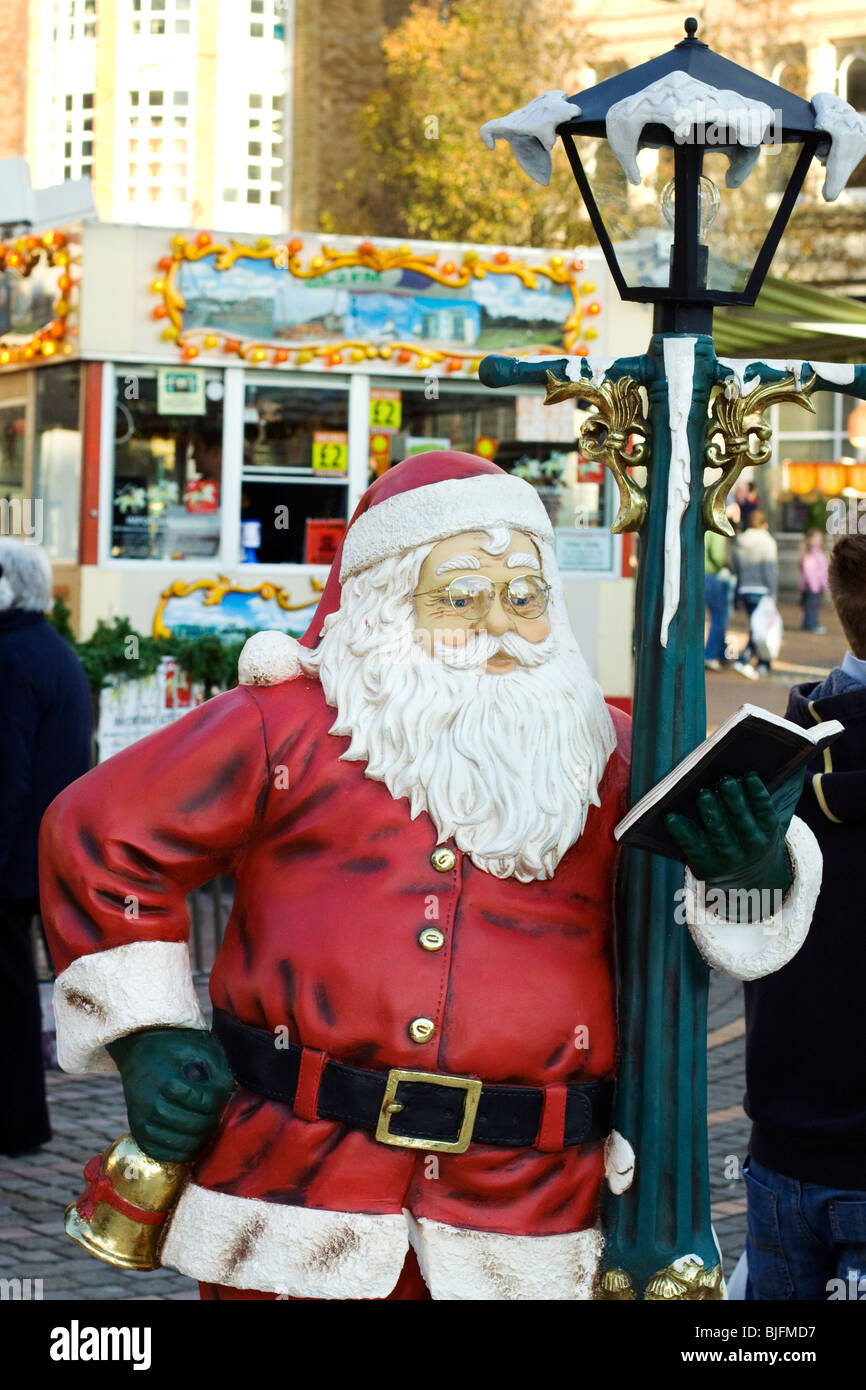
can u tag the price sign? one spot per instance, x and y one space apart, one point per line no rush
386 410
330 452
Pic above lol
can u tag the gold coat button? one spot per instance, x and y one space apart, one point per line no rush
443 859
431 939
421 1030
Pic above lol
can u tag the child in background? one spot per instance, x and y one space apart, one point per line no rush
813 582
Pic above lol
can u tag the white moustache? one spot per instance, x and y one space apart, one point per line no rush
479 647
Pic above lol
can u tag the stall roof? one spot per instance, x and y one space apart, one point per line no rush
793 320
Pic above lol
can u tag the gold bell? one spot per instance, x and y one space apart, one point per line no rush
121 1216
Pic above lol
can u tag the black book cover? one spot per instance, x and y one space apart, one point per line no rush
751 741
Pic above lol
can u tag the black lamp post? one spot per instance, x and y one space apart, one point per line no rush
674 252
666 157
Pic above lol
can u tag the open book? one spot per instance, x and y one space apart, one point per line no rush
752 740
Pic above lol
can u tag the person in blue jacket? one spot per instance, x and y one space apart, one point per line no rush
45 743
805 1054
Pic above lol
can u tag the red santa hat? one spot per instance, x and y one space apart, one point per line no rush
422 500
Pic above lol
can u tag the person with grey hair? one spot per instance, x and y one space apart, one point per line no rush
45 738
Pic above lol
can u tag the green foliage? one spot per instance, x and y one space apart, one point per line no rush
116 649
422 169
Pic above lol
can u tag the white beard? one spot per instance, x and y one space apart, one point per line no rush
507 764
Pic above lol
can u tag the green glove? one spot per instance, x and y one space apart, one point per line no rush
739 842
176 1082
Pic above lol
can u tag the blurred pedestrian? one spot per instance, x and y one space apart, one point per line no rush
813 581
45 730
755 563
805 1069
718 580
749 504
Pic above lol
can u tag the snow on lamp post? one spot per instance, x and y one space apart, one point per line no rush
689 167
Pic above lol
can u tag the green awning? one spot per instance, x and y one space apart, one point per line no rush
793 320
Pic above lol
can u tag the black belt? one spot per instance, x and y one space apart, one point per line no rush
412 1109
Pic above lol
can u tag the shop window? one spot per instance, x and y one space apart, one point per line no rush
13 429
57 458
167 469
294 471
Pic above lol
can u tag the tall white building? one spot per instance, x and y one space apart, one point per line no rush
179 110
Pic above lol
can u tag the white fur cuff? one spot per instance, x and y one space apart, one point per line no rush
299 1251
147 984
485 1266
269 658
747 951
439 510
619 1163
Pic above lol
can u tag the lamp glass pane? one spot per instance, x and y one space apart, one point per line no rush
736 233
632 214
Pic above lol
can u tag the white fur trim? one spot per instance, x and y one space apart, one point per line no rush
484 1266
269 658
619 1161
147 984
439 510
750 950
300 1251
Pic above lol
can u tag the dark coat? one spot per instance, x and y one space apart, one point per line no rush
45 738
805 1053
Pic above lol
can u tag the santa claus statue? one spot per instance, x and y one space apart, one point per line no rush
407 1090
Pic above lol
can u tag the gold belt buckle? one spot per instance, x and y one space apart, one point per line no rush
391 1106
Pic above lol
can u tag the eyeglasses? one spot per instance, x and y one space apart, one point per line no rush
471 596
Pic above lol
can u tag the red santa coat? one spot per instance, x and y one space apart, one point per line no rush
334 885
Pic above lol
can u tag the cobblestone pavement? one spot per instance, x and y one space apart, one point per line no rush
87 1113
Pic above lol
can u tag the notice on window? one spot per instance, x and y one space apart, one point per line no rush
587 551
330 452
180 391
386 410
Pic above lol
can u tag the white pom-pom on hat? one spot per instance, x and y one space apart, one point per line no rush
269 658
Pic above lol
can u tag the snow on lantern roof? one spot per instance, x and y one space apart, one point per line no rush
669 95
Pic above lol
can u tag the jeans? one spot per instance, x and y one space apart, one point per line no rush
718 599
804 1242
811 611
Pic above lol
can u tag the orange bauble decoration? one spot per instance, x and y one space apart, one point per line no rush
802 478
832 477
